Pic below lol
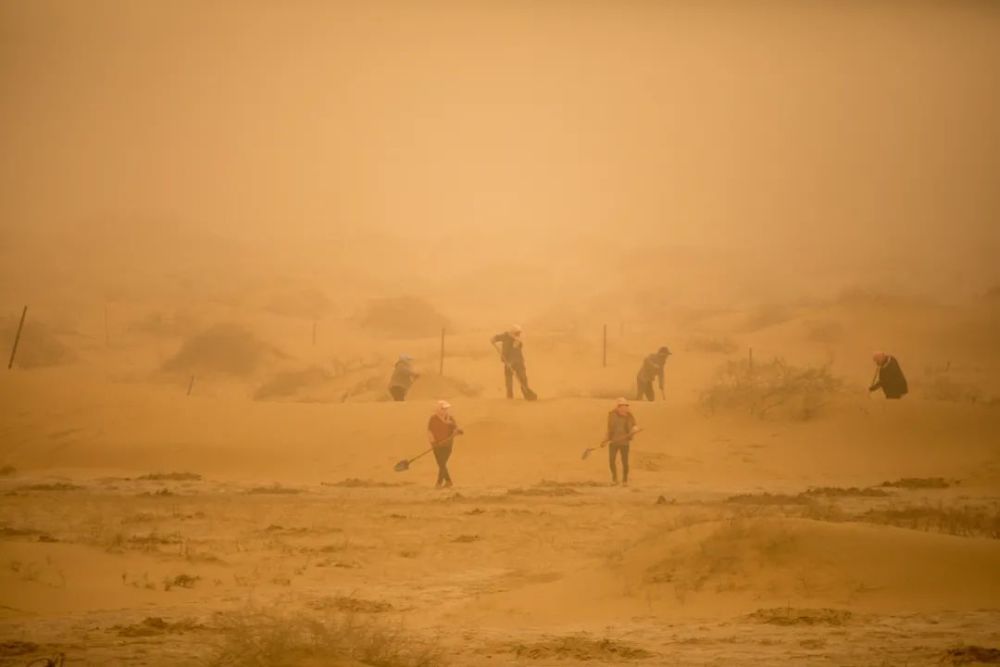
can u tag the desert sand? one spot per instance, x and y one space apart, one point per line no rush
227 220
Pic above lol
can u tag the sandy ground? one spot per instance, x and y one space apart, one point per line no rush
136 518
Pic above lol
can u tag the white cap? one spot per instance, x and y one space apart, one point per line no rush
443 405
516 328
622 401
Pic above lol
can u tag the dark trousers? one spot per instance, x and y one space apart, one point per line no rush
442 453
645 390
613 451
522 379
398 393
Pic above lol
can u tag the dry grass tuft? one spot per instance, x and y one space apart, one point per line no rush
964 521
265 639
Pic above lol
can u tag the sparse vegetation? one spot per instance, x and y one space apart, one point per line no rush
919 483
581 648
274 489
965 521
350 605
153 626
794 616
262 639
170 477
52 486
770 389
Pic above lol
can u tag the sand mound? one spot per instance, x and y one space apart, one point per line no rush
225 349
39 346
403 317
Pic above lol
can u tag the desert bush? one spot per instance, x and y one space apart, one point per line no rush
707 345
225 349
919 483
769 389
170 477
796 616
403 317
260 638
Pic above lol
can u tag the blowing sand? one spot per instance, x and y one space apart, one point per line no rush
144 525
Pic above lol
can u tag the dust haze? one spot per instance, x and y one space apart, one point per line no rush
228 221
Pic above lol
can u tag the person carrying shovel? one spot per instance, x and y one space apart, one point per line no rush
402 378
510 346
621 428
441 432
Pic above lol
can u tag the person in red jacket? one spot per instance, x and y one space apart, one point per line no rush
441 431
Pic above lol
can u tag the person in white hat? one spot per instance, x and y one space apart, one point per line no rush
510 346
621 427
402 378
441 432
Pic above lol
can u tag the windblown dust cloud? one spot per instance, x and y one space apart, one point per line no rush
228 220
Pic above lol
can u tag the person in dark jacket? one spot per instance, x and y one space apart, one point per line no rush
652 369
621 428
402 378
510 346
441 431
888 376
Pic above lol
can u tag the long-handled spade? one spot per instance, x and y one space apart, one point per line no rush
588 450
404 464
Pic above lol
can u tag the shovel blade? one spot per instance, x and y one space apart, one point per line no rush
587 452
401 466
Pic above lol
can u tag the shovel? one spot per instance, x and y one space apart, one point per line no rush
588 450
404 464
529 393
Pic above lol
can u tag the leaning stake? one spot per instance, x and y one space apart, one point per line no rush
17 338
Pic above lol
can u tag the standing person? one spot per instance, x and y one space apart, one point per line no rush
510 346
652 368
888 376
441 432
621 427
402 378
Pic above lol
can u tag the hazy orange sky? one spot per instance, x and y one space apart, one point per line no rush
861 129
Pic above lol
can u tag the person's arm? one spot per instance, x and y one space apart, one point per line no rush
634 426
877 380
611 426
430 434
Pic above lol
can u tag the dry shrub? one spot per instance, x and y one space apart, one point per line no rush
225 349
403 317
270 639
351 605
707 345
767 499
840 492
771 389
823 331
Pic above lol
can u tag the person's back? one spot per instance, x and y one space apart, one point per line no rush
402 374
889 377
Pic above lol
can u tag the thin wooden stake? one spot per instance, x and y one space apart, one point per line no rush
17 338
604 354
107 334
441 365
314 333
190 385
